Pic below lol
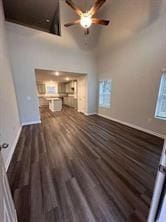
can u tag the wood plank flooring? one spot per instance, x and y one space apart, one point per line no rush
74 168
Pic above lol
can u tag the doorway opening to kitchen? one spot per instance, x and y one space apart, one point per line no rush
57 90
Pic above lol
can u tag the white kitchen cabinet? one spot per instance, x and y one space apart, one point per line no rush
43 102
67 87
70 101
65 100
61 88
41 88
70 87
75 103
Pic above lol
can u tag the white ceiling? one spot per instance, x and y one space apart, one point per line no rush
50 75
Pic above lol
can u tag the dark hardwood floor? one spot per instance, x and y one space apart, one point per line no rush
74 168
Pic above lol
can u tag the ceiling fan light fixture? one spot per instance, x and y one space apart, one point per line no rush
86 20
87 17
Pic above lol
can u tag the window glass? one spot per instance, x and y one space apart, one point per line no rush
105 93
51 89
161 101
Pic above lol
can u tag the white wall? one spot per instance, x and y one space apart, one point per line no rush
30 49
132 52
9 117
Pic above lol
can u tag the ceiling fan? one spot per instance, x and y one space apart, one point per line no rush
86 18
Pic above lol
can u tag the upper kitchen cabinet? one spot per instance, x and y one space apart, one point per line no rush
41 88
67 87
71 87
61 87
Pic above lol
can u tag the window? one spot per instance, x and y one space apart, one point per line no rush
51 89
161 101
105 88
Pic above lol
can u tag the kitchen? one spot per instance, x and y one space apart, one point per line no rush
57 89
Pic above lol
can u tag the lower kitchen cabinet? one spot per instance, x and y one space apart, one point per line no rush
70 101
43 101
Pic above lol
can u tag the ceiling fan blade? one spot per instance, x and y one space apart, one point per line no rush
86 31
100 21
72 23
96 6
76 9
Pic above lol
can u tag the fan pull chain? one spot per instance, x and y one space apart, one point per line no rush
86 6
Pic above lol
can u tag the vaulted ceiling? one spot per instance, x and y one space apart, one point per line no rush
50 75
50 16
39 14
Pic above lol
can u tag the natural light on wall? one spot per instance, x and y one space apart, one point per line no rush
105 88
161 101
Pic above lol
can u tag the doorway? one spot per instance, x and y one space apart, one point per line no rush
57 89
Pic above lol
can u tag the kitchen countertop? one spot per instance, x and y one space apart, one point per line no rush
53 98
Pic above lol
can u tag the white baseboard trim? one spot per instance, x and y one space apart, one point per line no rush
31 123
134 126
90 114
13 146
